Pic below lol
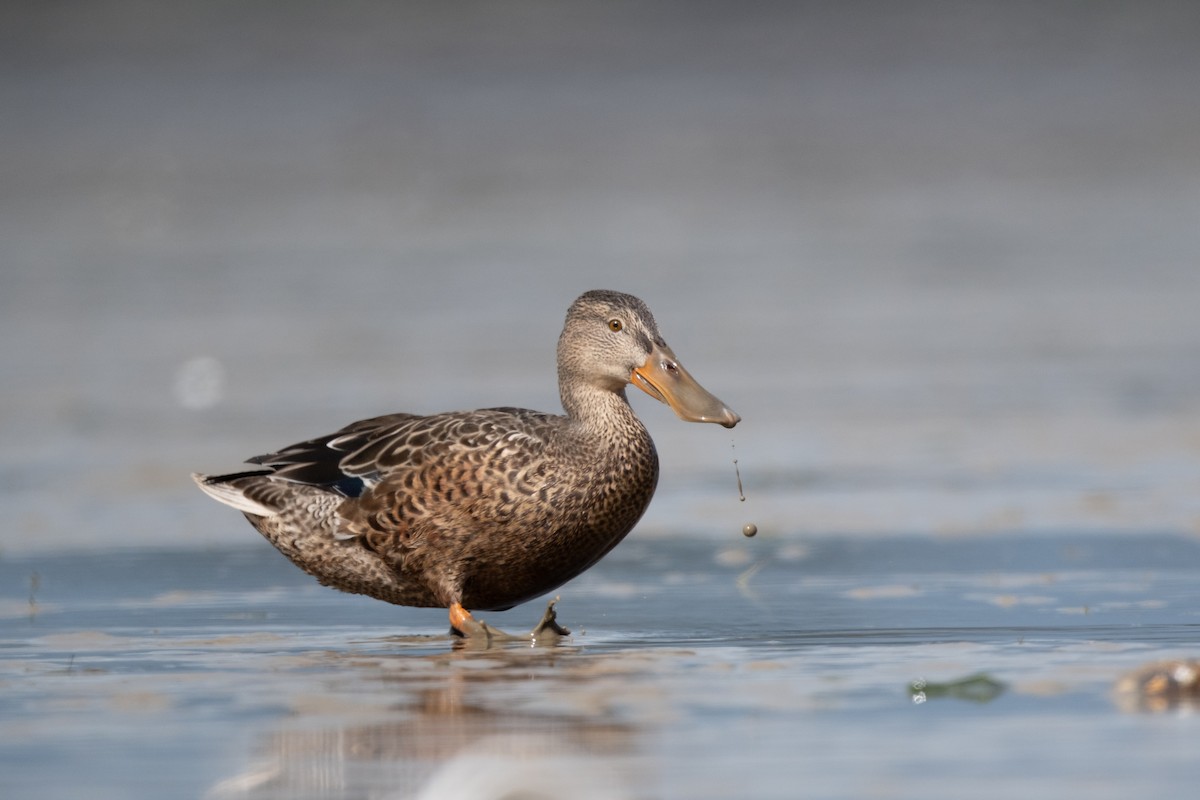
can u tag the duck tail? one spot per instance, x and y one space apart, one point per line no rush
231 490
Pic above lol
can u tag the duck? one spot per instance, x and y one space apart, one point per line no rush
487 509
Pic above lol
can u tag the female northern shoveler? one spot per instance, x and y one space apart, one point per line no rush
480 509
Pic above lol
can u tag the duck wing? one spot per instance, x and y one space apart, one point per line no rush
343 461
404 475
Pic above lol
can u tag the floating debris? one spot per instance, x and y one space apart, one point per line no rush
749 529
1161 686
979 688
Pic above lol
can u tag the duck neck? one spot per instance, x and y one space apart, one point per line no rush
600 409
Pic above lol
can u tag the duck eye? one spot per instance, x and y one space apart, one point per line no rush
615 325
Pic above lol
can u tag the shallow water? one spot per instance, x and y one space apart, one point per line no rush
758 669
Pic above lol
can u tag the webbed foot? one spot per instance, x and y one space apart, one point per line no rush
548 626
463 624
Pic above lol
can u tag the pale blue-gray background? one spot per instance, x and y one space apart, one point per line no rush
941 256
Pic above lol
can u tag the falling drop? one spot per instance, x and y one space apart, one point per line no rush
738 473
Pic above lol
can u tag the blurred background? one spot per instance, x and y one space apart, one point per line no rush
941 256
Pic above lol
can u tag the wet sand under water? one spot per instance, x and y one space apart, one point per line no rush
761 668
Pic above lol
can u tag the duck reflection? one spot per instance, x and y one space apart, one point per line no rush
516 723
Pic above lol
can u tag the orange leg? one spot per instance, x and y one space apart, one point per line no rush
465 625
462 621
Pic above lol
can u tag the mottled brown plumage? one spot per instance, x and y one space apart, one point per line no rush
480 509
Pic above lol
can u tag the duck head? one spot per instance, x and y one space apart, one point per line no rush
611 340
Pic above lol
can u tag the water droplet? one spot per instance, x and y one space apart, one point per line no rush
738 473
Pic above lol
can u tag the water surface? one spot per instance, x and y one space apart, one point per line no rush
703 669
